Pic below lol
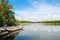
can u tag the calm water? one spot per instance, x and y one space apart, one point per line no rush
37 32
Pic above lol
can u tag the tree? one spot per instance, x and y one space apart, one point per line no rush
6 14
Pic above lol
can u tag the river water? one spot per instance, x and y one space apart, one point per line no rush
37 32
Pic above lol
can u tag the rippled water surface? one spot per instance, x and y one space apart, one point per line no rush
38 32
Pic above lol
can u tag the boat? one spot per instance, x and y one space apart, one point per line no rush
11 29
2 30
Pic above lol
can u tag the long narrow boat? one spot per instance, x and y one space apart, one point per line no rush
3 31
11 29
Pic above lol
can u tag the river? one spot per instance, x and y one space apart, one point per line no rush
37 32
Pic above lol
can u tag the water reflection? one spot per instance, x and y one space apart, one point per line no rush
40 27
39 32
10 36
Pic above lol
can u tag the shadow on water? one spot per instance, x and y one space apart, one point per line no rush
9 36
12 37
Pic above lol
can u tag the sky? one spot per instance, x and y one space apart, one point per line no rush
36 10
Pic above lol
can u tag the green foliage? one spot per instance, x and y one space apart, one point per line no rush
6 14
2 21
52 21
25 21
17 22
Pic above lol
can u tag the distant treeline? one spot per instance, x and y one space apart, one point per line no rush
52 21
25 22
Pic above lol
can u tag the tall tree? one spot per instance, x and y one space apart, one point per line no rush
6 14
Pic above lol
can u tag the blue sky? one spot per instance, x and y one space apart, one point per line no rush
36 10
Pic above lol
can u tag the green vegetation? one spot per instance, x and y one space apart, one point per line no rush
6 14
25 21
52 22
17 22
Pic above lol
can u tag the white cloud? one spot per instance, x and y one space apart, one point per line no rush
18 18
40 13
